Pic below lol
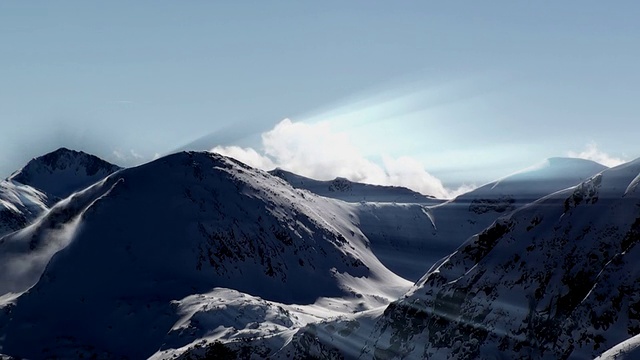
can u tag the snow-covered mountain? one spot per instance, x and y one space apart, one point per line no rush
19 205
347 335
31 191
350 191
25 253
555 279
167 258
408 238
63 172
530 184
138 254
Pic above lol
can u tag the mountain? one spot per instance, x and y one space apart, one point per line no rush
31 191
196 254
63 172
19 205
409 231
530 184
141 258
24 254
350 191
399 235
558 278
409 238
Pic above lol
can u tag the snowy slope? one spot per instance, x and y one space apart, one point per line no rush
397 233
626 350
556 279
167 257
139 249
409 238
31 191
530 184
19 205
337 337
63 172
349 191
25 253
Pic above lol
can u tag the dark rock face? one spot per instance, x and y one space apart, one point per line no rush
502 204
11 221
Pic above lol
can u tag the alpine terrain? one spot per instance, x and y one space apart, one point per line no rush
196 255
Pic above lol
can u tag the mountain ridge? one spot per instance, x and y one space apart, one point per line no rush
350 191
63 172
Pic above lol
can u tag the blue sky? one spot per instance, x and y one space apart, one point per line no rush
470 90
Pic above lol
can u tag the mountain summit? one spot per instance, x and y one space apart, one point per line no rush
63 172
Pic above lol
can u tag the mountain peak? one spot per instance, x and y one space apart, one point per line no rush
543 178
63 172
572 161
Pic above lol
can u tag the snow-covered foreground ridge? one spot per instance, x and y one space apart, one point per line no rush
166 259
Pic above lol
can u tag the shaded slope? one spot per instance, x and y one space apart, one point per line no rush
24 254
19 205
183 225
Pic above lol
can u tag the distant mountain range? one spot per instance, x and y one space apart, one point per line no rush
349 191
196 255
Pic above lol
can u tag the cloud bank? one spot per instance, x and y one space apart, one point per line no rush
317 151
591 152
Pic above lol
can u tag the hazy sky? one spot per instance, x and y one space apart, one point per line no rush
469 91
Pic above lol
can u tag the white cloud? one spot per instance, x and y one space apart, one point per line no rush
410 173
318 151
127 158
118 155
247 155
591 152
135 155
464 188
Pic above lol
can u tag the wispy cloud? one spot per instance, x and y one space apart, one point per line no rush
591 152
118 155
128 158
135 155
316 150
